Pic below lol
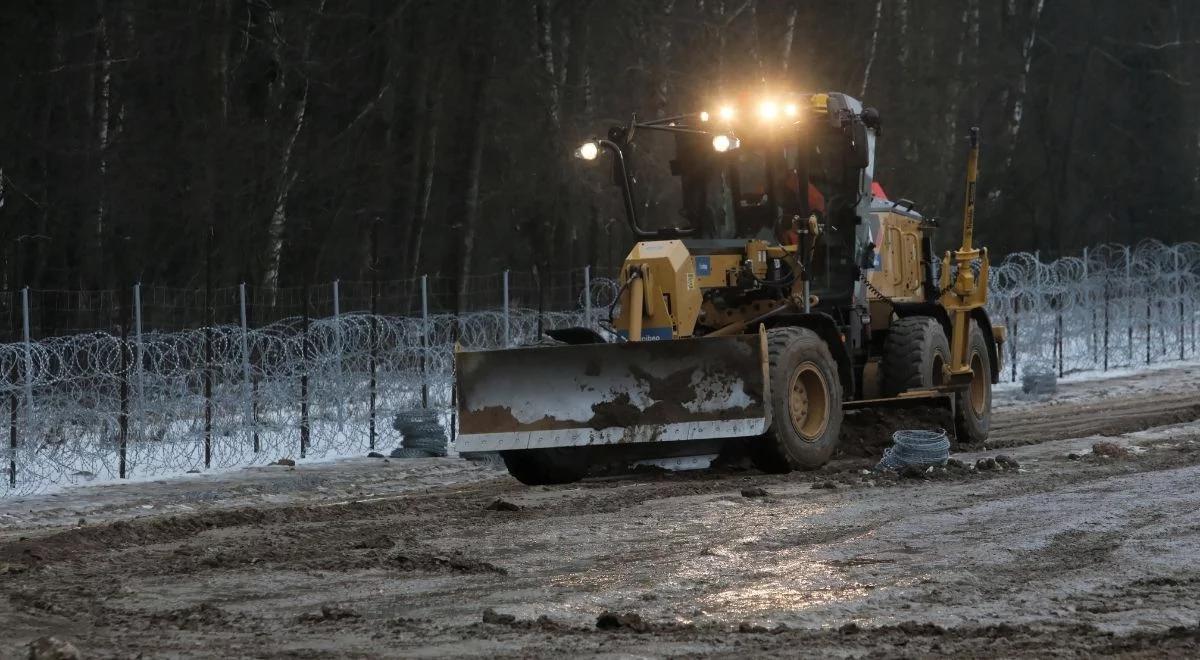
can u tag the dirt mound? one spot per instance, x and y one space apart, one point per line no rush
330 613
455 562
197 617
633 622
543 622
53 648
868 432
1110 450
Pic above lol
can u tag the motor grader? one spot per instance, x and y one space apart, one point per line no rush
790 291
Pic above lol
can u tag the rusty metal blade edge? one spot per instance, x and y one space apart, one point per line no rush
680 431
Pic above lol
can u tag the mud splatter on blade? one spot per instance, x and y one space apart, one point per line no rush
653 391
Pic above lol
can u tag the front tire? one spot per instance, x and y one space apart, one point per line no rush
973 405
915 354
545 467
806 403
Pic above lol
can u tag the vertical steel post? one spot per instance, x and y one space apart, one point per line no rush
1058 337
1148 341
28 363
1012 340
305 431
507 333
123 412
1039 304
208 352
247 385
1179 288
1129 300
139 409
338 343
1093 345
587 296
424 341
373 338
1106 321
12 435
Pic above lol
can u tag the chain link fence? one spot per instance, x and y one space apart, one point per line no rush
123 384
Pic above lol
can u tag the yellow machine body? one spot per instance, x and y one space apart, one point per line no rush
690 360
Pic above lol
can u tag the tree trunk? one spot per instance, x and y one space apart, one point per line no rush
101 117
1017 110
474 167
789 37
285 178
870 52
285 174
545 48
428 169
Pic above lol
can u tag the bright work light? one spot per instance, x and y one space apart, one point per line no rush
723 143
588 150
768 110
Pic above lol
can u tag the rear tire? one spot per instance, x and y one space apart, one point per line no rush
973 406
806 403
915 354
545 467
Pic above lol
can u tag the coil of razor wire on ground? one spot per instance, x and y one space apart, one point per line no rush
915 448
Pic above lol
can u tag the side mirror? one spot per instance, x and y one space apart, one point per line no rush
860 146
870 117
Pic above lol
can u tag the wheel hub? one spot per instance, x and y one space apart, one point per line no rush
808 402
978 388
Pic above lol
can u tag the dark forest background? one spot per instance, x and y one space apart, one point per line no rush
303 133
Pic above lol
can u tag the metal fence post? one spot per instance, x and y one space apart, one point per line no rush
247 386
507 333
424 341
28 363
123 413
1179 288
1016 304
305 431
587 296
337 340
1107 294
1058 335
12 435
1129 301
1148 340
1093 345
373 336
139 410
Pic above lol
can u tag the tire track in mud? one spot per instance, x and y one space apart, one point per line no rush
340 537
462 504
1043 423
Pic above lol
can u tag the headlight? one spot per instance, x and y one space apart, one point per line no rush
703 116
588 151
727 112
723 143
768 110
791 110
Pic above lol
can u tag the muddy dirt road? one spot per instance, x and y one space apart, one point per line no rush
1071 552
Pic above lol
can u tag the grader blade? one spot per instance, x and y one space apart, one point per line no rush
596 394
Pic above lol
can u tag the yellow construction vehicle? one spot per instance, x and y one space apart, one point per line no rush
794 290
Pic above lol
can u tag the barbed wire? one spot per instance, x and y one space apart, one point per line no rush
99 406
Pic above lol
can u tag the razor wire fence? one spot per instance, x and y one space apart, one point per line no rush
122 388
154 381
1111 307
